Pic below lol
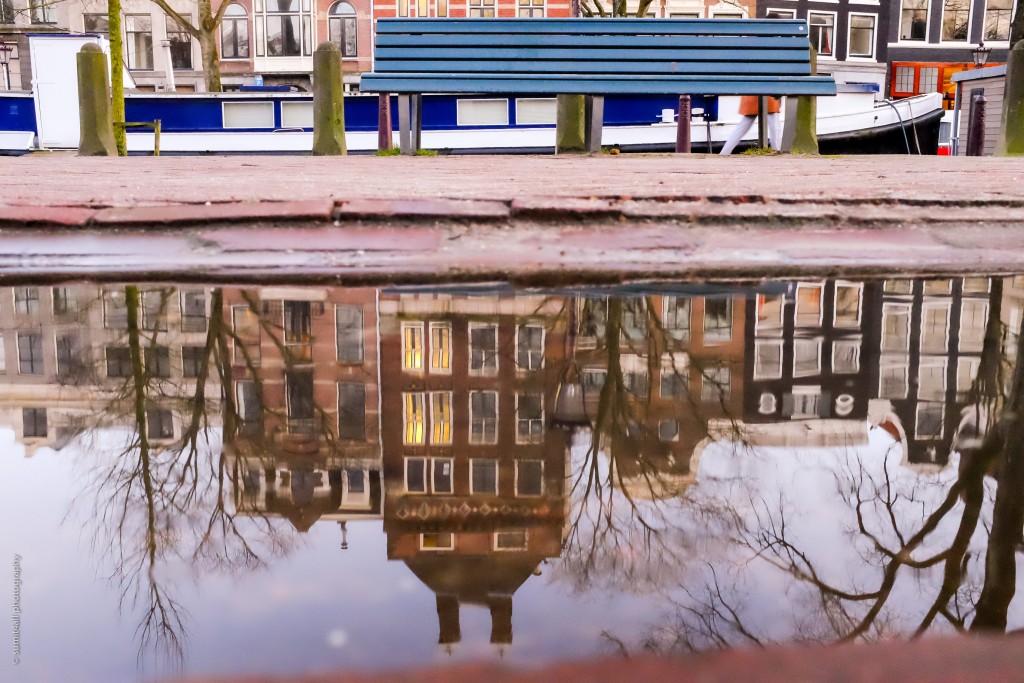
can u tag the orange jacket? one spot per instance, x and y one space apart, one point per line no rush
748 105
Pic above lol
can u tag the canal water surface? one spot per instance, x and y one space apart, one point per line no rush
213 480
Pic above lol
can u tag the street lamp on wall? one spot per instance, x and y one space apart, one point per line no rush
980 54
5 62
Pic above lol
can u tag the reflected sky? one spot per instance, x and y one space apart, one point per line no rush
208 480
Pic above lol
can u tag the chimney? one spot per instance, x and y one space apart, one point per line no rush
501 619
448 619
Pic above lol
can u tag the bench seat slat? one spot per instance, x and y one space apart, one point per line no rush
470 67
434 58
594 41
734 27
604 85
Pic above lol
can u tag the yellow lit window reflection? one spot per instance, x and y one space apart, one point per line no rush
441 417
412 347
440 347
415 419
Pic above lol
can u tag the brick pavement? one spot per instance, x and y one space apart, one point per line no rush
530 218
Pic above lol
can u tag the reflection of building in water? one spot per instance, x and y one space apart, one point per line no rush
304 383
932 334
655 370
811 351
474 478
66 360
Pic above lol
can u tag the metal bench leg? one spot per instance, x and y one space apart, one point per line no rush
594 123
417 122
405 142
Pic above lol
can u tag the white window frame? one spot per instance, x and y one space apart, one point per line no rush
518 549
759 373
484 371
497 416
806 391
775 327
946 340
984 17
859 287
895 310
835 26
530 495
927 26
816 343
934 362
983 303
405 417
430 350
543 346
415 327
542 418
446 397
451 475
901 365
970 25
426 474
838 344
497 476
917 420
820 286
849 39
438 549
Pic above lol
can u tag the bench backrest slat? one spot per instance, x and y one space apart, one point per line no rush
457 40
398 67
629 27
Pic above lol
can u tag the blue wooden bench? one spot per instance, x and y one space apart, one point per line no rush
592 57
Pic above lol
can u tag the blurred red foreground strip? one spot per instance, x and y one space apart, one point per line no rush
936 660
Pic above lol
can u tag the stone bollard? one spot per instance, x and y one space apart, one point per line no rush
385 132
976 125
1011 138
96 122
328 102
801 133
683 117
571 120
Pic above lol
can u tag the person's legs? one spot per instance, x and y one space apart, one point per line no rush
742 126
773 132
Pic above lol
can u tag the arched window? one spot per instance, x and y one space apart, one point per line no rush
234 33
342 27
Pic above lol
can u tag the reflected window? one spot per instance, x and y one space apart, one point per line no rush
234 33
70 363
298 329
154 310
929 420
529 477
845 357
931 380
483 476
246 325
938 287
510 540
593 380
193 311
33 422
30 353
767 359
483 417
635 381
668 430
3 355
899 286
862 35
416 475
437 541
676 317
848 304
717 319
158 362
26 300
64 301
441 417
43 11
767 404
966 372
119 362
530 347
717 384
973 320
192 361
441 475
483 349
250 408
674 382
287 29
412 347
769 312
91 23
808 305
341 25
895 327
348 322
355 481
977 285
301 408
352 411
160 424
892 381
594 318
529 418
414 418
805 402
441 348
935 328
634 318
806 357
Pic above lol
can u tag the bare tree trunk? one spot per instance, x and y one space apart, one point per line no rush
1017 25
117 75
207 38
